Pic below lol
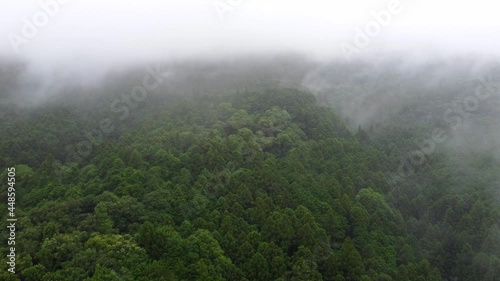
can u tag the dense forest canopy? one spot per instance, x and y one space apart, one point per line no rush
264 169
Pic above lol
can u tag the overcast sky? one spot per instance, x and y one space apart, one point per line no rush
91 31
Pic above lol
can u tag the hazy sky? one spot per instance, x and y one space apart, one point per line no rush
91 31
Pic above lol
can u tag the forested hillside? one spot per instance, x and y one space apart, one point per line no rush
251 184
